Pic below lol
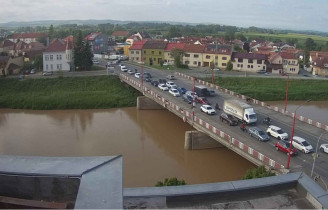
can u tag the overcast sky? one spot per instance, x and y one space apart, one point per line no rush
286 14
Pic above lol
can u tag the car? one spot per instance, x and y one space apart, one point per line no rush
162 81
302 145
174 92
191 94
169 84
47 73
217 69
261 71
154 83
147 79
121 65
258 133
203 100
228 118
170 77
146 74
207 109
211 92
124 69
174 87
32 71
284 146
181 90
137 75
95 62
324 148
163 87
277 132
187 98
131 72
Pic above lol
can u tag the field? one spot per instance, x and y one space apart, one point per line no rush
66 93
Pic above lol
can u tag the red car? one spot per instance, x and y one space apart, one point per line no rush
203 100
285 147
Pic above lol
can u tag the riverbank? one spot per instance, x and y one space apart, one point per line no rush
66 93
274 89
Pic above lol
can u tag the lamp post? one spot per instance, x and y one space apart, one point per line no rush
291 139
316 154
213 74
286 93
193 103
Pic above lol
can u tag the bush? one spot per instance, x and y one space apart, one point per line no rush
170 182
258 172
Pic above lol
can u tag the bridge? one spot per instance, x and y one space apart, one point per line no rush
260 153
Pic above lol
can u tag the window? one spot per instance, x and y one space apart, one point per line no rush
51 67
285 62
224 58
47 67
160 52
132 52
59 66
196 56
241 65
248 66
51 57
264 67
59 57
216 57
225 64
250 60
208 57
152 52
144 51
259 61
137 52
251 66
195 62
154 59
216 63
137 58
240 60
238 65
187 62
187 55
46 57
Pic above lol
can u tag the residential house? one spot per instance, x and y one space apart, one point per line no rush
3 64
58 56
27 37
98 42
120 36
7 46
153 52
248 62
33 50
283 62
219 55
320 66
167 52
135 51
10 65
193 56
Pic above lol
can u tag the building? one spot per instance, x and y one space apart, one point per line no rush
135 51
248 62
58 56
290 63
120 36
153 52
98 42
219 55
193 56
27 37
11 65
167 52
320 66
7 46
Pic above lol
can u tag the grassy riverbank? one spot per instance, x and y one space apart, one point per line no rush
66 93
274 89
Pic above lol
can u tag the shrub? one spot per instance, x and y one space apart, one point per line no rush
258 172
170 182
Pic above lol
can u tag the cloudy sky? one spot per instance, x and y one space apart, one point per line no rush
286 14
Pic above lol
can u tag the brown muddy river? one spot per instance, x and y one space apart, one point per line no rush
151 142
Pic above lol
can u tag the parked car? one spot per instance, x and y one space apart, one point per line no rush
137 75
154 83
261 71
124 69
211 92
207 109
191 94
181 90
146 74
187 98
169 84
121 65
302 145
131 72
32 71
163 87
174 87
228 118
324 148
170 77
258 133
47 73
162 81
277 132
147 79
203 100
174 92
284 146
217 69
95 62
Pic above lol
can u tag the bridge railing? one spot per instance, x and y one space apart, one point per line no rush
188 117
257 102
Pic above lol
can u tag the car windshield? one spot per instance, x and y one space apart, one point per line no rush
208 108
252 116
230 117
305 143
280 131
261 133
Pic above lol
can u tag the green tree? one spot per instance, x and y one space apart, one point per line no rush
241 37
230 33
229 66
38 62
51 32
173 32
170 182
177 55
310 44
82 54
258 172
238 49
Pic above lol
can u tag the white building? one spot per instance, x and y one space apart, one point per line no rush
58 56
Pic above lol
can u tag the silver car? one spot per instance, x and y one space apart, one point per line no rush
258 133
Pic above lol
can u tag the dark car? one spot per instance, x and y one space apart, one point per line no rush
187 98
203 100
181 90
146 74
229 119
162 81
147 79
154 83
285 147
258 134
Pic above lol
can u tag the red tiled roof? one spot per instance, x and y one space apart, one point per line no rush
120 33
58 45
28 35
246 55
286 55
7 43
171 46
194 48
318 54
92 36
322 62
137 45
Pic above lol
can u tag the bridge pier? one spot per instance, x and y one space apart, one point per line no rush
199 140
145 103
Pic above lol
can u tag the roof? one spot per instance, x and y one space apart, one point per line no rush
276 66
137 45
28 35
91 36
20 45
13 66
321 62
58 45
219 49
171 46
155 45
7 43
318 54
70 38
286 55
120 33
194 48
246 55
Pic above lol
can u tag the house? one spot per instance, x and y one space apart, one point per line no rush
33 50
193 56
7 46
153 52
11 65
98 42
248 62
58 56
120 36
283 62
167 52
27 37
220 55
320 66
135 51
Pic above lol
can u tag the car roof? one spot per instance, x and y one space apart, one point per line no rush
205 105
274 127
256 128
299 138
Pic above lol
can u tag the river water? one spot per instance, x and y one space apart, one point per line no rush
151 142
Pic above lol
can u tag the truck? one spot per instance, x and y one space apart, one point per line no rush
242 111
201 91
114 57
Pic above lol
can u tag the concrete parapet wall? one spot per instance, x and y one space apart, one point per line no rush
145 103
199 140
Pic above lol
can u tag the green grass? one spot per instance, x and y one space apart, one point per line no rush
273 89
66 93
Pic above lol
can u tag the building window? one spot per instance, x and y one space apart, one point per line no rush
47 67
152 52
59 66
241 65
250 60
59 57
137 52
137 58
248 66
144 51
160 52
46 57
187 55
264 67
51 67
238 65
259 61
216 57
187 62
154 59
51 57
240 60
208 57
251 66
132 52
216 63
225 64
196 56
195 62
224 58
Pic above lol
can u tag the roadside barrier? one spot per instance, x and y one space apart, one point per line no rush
188 117
257 102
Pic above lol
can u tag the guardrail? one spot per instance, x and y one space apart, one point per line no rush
257 102
188 117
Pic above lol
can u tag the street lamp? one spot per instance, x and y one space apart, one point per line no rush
286 93
291 139
316 154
